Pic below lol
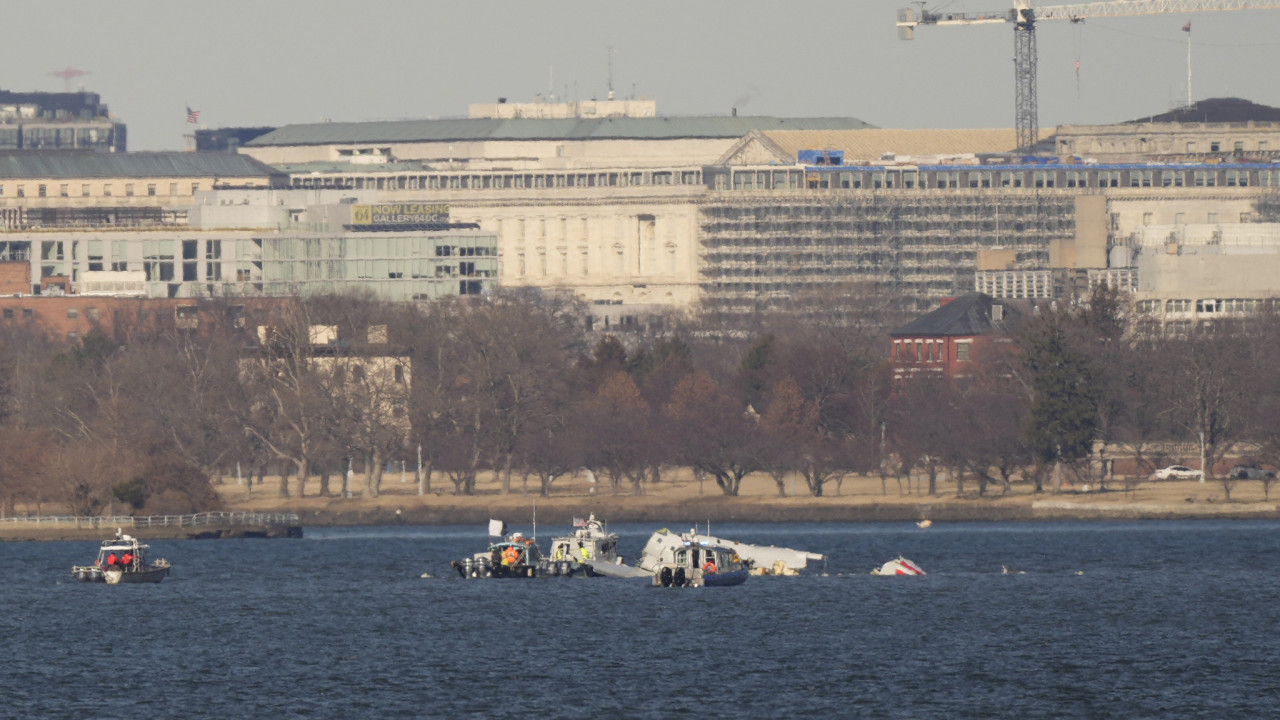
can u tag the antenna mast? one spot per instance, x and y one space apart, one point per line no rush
611 51
66 74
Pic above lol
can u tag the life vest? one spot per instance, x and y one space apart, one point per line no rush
709 566
511 555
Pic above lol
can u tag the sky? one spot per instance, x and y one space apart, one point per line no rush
279 62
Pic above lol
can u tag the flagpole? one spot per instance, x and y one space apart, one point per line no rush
1188 29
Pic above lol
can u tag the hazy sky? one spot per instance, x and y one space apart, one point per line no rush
276 62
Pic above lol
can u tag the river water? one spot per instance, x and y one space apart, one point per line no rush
1153 619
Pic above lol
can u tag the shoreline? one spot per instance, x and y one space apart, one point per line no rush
680 500
558 512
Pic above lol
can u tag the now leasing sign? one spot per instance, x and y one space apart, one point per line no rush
399 214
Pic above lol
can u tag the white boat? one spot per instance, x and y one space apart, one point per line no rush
898 566
122 560
594 549
696 564
763 559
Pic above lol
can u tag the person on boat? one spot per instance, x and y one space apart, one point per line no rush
582 549
127 560
112 560
709 567
510 555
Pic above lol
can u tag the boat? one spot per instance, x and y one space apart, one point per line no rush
898 566
697 564
122 560
763 559
594 550
515 556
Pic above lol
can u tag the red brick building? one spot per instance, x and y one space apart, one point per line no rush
944 342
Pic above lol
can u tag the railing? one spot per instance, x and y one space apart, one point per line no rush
148 521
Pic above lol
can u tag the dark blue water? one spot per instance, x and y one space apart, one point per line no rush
1110 620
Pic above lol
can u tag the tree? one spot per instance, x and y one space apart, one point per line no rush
1064 388
615 423
711 432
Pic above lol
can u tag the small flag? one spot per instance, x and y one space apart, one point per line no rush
193 116
579 522
497 528
1187 27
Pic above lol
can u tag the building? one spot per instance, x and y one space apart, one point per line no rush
227 140
58 122
259 242
45 190
947 341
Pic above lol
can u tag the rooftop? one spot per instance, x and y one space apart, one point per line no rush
965 316
38 165
465 129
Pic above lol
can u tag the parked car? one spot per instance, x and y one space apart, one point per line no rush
1177 472
1250 472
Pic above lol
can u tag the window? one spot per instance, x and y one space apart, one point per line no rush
73 313
64 190
22 191
173 188
106 190
1191 147
1215 146
962 351
93 313
151 189
1177 306
28 313
1146 218
1239 146
42 190
128 189
84 190
1206 306
8 313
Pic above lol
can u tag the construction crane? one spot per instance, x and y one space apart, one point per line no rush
1024 17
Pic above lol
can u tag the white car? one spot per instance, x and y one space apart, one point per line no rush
1177 472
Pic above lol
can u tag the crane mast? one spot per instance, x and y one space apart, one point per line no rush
1024 15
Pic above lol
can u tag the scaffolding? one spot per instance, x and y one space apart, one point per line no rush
761 251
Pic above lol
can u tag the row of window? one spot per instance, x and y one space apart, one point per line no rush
1207 306
87 189
927 351
981 179
502 181
30 313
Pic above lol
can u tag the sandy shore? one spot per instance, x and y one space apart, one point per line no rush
680 500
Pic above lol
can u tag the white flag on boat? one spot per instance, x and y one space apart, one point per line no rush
497 528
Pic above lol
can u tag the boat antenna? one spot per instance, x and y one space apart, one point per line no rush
535 520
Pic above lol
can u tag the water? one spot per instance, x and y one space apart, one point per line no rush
1110 620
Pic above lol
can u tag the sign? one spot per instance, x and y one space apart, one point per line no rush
399 214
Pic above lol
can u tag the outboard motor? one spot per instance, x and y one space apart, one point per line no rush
678 579
664 577
468 568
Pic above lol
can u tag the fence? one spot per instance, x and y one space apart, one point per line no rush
204 519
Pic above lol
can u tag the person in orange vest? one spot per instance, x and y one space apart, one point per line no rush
510 555
709 567
112 560
127 560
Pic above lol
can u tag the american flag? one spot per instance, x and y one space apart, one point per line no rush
193 116
579 522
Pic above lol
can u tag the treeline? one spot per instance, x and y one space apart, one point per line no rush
144 416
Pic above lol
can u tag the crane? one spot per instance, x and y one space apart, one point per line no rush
1024 16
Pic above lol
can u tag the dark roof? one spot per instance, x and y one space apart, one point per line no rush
965 316
463 129
36 165
1216 110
